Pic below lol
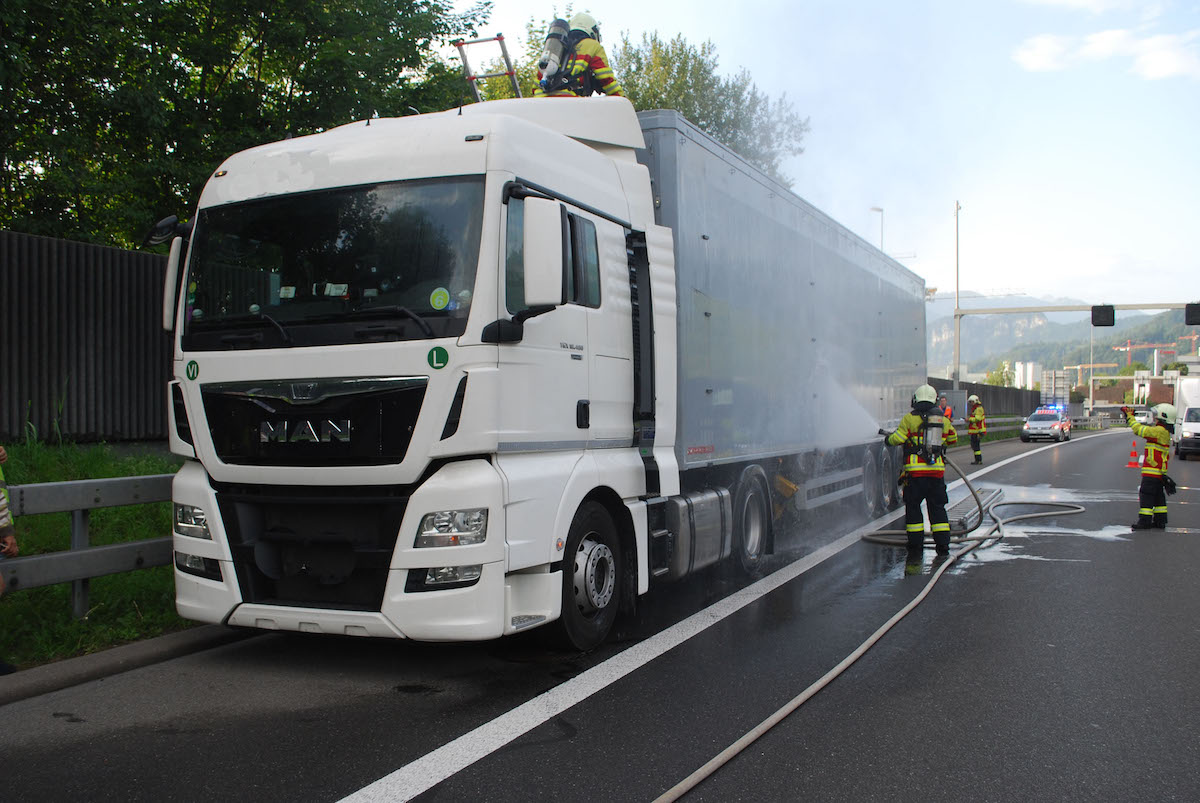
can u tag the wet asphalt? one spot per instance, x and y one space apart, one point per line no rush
1059 664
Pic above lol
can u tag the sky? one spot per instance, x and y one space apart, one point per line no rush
1068 130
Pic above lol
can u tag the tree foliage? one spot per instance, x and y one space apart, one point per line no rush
658 74
116 112
1000 376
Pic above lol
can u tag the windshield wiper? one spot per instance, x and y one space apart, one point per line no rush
396 308
251 317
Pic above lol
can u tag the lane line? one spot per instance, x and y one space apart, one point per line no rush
434 767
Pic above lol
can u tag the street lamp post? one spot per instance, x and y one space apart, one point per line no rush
879 209
957 315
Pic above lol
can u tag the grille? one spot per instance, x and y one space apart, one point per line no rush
314 422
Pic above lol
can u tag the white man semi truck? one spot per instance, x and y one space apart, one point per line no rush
456 375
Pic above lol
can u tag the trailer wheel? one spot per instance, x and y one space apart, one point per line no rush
591 578
887 480
870 484
751 518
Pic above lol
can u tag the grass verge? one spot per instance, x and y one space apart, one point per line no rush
36 625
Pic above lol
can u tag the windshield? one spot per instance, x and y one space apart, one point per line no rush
1193 415
1044 417
385 261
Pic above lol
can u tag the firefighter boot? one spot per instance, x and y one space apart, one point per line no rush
912 562
1160 521
942 545
1143 522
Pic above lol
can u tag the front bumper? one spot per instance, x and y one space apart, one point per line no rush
334 578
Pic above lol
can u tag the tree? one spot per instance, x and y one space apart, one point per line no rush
1181 367
1128 370
676 75
1000 376
116 112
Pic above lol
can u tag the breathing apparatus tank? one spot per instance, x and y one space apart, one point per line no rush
552 52
931 437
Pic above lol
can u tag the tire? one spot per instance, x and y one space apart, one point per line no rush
1024 439
751 518
887 481
591 578
870 484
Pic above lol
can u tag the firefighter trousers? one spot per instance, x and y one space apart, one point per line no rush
931 491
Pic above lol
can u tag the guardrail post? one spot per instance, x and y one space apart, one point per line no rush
79 540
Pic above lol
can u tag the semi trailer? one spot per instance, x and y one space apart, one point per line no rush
456 375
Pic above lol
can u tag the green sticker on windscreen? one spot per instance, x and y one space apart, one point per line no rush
439 298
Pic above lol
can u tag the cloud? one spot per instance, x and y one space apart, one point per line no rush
1151 57
1149 8
1044 53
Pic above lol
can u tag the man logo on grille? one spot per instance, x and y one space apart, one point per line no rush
304 431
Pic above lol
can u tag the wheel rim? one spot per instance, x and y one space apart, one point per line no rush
595 575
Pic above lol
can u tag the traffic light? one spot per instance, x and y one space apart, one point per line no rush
1191 314
1104 315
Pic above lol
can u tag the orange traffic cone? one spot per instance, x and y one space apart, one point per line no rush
1133 457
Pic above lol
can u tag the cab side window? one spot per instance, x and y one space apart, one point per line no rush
584 286
581 273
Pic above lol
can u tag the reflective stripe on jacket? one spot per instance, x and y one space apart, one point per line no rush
1158 443
910 435
589 56
976 425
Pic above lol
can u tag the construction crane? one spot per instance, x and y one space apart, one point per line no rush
1129 346
1192 337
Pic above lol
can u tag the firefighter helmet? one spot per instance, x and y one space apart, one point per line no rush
925 393
973 399
586 23
1164 412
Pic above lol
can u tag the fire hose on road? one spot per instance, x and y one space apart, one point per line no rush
994 534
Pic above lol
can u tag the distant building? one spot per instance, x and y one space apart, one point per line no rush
1027 374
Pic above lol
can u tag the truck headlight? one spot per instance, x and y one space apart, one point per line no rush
452 528
191 520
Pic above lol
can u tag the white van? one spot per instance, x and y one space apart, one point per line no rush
1187 432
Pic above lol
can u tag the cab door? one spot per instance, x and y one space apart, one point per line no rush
545 376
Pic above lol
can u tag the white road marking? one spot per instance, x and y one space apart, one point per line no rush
431 769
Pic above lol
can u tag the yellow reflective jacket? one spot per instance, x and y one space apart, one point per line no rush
976 424
910 435
589 69
1158 444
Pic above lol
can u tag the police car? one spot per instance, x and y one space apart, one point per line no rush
1051 423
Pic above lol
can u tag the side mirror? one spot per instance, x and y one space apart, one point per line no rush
545 246
171 280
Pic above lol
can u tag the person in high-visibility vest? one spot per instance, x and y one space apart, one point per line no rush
976 426
1152 494
924 433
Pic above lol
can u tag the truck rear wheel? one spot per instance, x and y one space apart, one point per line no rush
887 481
751 518
591 578
870 484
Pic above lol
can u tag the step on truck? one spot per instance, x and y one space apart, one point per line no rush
457 375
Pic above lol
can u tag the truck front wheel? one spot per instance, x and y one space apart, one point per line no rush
591 578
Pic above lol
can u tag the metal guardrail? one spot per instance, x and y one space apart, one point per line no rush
82 561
